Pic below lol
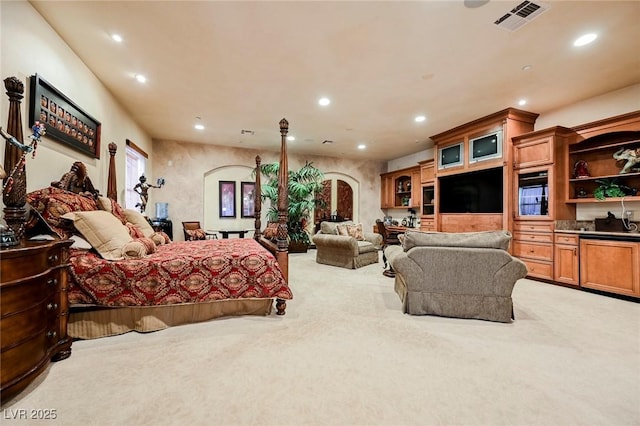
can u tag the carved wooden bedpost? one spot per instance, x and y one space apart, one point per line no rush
112 187
257 201
283 208
15 198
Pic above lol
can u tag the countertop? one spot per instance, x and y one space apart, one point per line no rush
601 234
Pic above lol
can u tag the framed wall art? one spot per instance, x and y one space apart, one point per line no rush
65 121
248 191
227 198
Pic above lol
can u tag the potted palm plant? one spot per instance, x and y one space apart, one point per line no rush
304 185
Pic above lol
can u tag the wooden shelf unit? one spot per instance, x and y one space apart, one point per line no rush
398 186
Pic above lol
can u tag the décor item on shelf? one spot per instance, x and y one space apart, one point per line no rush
7 236
581 193
68 123
632 158
581 170
610 188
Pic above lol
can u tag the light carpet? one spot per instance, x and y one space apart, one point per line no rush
344 354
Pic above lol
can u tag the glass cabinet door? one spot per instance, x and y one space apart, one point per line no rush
533 193
428 200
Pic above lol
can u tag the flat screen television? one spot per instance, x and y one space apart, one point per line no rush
485 147
450 156
473 192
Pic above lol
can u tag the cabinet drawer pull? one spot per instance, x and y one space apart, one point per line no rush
52 306
530 250
53 258
51 334
52 282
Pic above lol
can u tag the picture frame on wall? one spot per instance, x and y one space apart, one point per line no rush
227 192
64 120
248 191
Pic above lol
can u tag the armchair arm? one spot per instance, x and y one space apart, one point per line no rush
373 238
337 243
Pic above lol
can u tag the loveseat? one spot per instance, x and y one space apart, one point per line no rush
347 251
462 275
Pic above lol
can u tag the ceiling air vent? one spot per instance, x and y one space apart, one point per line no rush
523 13
247 132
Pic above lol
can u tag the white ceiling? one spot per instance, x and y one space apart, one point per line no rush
245 65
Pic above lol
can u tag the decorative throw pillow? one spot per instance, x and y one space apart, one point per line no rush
53 203
134 231
162 235
134 250
140 221
342 230
103 230
356 231
196 234
112 206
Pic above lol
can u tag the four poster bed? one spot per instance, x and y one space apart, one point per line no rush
172 283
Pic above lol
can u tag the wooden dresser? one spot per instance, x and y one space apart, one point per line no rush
33 311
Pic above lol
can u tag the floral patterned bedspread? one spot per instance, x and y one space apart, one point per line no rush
179 272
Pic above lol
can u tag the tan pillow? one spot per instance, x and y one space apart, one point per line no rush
103 230
111 206
140 221
356 231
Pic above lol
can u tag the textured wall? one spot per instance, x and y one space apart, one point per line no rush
185 165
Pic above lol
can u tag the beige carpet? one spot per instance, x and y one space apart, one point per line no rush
345 355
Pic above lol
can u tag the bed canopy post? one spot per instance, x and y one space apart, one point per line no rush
112 187
257 202
283 201
15 195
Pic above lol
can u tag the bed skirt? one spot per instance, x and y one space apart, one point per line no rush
94 322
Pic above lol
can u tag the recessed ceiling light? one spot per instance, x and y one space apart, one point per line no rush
362 146
420 118
585 39
324 101
522 102
526 67
198 126
291 138
141 78
116 37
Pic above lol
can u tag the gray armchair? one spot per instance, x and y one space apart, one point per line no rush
345 251
464 275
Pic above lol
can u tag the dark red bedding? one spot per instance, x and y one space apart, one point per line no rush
179 272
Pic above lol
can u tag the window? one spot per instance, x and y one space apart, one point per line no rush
136 166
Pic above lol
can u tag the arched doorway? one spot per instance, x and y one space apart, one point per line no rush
340 193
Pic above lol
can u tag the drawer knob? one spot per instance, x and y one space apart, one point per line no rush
52 306
51 334
530 250
53 258
52 282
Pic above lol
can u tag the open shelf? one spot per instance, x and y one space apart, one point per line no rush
606 200
620 176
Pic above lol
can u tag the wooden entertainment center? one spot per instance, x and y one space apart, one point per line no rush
545 175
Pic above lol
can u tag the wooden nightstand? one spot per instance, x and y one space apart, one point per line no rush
34 311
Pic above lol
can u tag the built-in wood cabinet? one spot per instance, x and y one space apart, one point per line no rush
590 158
401 189
459 154
566 259
428 196
612 266
533 244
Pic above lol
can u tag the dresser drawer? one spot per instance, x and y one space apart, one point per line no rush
539 269
530 236
17 362
538 251
20 295
567 239
25 325
26 262
526 226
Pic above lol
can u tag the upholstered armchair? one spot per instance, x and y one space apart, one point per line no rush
193 231
347 251
463 275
